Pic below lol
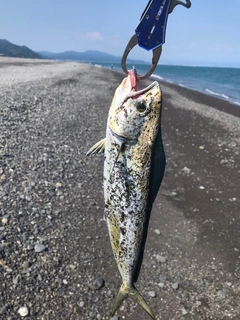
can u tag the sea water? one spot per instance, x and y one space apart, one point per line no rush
223 83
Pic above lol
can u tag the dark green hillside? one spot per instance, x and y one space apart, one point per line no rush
9 49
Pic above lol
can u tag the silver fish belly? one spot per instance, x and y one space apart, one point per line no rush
133 169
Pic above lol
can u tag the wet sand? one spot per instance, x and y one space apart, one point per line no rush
51 193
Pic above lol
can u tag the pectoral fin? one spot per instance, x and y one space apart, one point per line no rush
99 147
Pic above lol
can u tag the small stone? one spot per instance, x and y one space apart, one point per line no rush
98 283
65 281
186 170
39 247
4 221
184 312
221 294
162 278
115 318
157 231
224 161
92 314
161 285
39 277
81 304
23 311
58 185
4 309
161 258
152 294
175 285
98 316
202 187
201 147
26 265
174 194
15 280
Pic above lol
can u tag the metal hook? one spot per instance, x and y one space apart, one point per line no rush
156 55
173 4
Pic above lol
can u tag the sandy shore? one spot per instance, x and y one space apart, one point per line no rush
53 240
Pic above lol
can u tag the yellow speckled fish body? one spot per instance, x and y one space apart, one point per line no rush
133 170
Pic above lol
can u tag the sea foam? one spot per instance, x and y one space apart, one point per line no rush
217 94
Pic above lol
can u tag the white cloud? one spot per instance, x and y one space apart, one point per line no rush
94 35
95 40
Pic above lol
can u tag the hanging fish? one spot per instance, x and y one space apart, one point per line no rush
133 170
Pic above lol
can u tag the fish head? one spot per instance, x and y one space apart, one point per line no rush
133 111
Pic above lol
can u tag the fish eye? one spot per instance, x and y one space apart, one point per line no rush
141 107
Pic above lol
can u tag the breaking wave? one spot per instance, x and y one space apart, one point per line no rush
154 75
217 94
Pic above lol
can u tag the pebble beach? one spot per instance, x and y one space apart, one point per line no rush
56 261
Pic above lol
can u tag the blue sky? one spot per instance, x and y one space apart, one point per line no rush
206 34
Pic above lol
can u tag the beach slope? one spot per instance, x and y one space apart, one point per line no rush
53 239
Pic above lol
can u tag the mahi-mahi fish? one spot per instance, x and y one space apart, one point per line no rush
133 170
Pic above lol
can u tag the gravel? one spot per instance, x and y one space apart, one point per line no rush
53 238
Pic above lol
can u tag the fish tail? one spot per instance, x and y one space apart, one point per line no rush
130 291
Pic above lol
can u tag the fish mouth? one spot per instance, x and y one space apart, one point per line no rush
136 94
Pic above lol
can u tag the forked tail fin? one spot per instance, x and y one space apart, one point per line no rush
130 291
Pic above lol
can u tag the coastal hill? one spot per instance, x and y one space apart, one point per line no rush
9 49
86 56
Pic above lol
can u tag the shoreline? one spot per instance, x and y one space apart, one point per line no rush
214 102
207 92
10 61
165 79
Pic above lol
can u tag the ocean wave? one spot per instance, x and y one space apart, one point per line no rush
217 94
182 85
157 77
98 65
237 102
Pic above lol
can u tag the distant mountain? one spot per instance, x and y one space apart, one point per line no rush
9 49
47 54
87 56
